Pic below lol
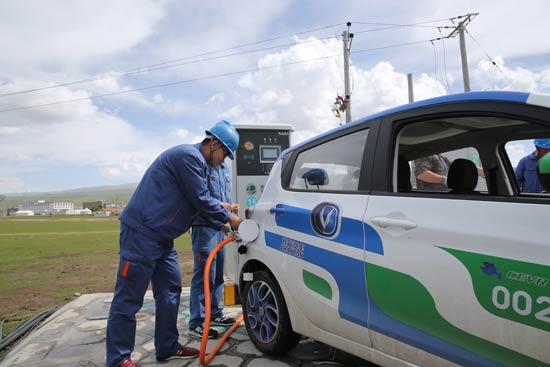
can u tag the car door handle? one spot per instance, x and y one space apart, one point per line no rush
277 210
385 222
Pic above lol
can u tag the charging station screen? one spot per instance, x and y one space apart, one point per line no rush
269 154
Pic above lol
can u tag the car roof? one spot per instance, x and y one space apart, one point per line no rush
501 96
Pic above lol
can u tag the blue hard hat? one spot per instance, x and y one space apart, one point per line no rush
542 143
226 133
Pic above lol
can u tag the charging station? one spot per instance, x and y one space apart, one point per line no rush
259 148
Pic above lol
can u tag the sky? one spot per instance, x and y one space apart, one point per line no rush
92 91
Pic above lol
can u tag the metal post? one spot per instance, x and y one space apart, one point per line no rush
410 85
464 57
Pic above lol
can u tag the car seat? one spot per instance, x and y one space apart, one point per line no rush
462 177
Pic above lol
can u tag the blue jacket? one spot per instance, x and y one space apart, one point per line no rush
219 185
526 174
171 194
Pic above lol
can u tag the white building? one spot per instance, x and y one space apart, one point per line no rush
84 211
24 213
42 207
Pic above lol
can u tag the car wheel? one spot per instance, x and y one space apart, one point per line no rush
266 316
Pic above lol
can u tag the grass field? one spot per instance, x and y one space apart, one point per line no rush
46 262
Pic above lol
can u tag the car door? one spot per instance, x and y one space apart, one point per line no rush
464 278
318 220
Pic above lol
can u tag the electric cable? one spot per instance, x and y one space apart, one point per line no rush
396 25
445 63
25 327
203 358
168 64
486 54
435 69
205 78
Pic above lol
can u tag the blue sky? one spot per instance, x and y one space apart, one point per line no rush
112 140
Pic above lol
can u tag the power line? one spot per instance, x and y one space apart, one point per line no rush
396 25
445 64
486 54
173 63
204 78
435 68
180 61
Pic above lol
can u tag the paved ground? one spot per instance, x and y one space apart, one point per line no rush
75 336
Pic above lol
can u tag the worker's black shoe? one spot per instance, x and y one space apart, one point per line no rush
223 321
199 330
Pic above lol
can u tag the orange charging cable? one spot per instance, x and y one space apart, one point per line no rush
203 358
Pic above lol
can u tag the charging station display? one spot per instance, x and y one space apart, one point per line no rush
259 148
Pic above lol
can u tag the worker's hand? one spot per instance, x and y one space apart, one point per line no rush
226 205
225 228
235 208
235 221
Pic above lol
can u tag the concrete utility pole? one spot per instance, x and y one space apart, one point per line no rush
410 85
347 37
459 29
464 58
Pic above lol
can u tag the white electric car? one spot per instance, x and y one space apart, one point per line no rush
354 253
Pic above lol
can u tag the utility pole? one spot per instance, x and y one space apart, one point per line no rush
459 29
347 38
410 87
464 58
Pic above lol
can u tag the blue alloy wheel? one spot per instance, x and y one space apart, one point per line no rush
263 312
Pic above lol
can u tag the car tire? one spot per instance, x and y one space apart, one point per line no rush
266 316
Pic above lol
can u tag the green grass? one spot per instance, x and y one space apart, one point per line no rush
45 261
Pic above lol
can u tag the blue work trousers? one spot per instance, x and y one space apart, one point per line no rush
143 260
204 240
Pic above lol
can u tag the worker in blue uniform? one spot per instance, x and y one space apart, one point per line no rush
526 170
172 193
204 239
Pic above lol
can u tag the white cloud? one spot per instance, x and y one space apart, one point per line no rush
67 35
216 98
302 95
517 150
182 133
488 77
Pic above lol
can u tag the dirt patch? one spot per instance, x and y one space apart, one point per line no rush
72 281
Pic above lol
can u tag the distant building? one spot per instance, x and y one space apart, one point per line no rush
42 207
12 211
102 213
84 211
24 213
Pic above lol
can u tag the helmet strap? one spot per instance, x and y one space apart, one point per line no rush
212 150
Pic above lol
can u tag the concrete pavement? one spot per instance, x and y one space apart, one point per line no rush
75 336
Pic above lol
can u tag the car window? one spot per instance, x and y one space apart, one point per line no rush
460 155
523 156
331 166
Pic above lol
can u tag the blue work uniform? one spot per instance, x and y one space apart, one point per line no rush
204 239
173 191
526 174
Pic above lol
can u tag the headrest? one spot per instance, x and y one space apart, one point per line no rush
462 175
